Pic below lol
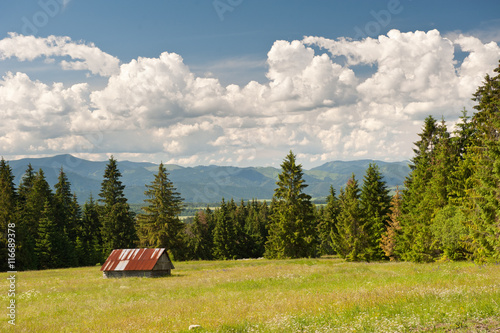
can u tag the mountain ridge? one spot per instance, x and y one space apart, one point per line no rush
203 184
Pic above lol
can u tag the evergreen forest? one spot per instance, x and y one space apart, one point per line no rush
448 209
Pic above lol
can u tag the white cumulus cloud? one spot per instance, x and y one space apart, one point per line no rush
314 102
84 56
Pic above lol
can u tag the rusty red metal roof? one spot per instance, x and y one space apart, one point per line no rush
132 260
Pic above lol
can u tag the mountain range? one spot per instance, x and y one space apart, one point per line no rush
204 184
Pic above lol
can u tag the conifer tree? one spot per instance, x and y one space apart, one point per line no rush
37 196
238 215
89 238
352 237
159 225
388 241
327 225
27 228
47 241
66 207
8 210
256 227
484 235
415 241
375 204
26 183
460 179
224 243
198 237
292 231
118 225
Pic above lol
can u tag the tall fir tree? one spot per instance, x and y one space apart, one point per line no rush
375 203
292 231
66 208
118 225
159 225
415 241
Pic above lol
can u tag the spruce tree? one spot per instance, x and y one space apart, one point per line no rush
89 235
292 231
27 228
8 210
224 241
415 241
198 238
47 245
159 225
484 235
256 227
118 225
66 207
37 197
375 204
352 238
327 225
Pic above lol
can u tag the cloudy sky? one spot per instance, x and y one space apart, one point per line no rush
237 82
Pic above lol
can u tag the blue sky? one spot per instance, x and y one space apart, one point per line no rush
212 51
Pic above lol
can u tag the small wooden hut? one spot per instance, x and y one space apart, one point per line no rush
138 263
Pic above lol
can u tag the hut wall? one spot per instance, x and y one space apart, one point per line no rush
163 264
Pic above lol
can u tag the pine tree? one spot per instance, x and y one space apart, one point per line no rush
160 225
8 210
292 231
388 241
352 237
118 225
375 204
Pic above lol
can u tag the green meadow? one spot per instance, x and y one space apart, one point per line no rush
303 295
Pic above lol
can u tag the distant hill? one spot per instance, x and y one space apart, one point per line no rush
204 184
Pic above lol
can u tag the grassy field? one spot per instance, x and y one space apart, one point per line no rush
309 295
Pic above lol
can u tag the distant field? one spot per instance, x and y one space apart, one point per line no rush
309 295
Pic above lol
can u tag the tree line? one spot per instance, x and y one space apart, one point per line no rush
448 209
